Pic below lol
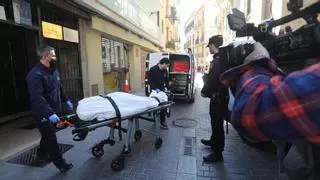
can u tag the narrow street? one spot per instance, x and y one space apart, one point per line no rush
55 53
180 156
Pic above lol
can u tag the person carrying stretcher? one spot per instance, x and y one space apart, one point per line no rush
159 81
46 96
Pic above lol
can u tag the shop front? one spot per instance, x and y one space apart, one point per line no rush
24 25
18 41
60 30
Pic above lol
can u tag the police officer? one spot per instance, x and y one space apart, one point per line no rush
45 97
158 81
218 94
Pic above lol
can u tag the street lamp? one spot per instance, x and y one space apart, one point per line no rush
154 12
158 16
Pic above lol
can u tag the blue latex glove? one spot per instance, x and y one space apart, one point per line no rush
69 105
54 118
157 90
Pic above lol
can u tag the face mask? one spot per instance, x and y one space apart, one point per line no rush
53 61
53 64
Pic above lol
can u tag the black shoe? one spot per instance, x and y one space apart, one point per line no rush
213 157
66 167
164 125
206 142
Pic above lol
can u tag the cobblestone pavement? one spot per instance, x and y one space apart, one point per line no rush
240 160
180 156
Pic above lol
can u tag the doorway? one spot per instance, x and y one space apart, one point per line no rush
69 66
17 56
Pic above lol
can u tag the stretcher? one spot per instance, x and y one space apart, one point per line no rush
82 128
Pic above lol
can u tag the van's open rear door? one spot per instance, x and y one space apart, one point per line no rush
179 74
152 60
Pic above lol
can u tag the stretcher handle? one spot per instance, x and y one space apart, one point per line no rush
65 121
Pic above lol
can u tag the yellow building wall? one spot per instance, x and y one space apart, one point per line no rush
111 29
107 82
135 68
110 81
93 40
167 28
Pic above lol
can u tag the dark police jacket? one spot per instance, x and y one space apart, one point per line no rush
158 78
45 91
213 88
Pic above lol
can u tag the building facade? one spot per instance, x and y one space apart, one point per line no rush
258 10
99 45
169 25
284 11
118 38
24 25
208 20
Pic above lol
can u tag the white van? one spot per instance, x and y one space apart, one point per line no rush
181 70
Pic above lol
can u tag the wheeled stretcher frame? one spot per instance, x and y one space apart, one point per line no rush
82 128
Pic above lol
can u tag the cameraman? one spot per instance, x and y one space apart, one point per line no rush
218 94
269 106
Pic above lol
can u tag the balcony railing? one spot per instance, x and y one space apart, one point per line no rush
171 45
129 10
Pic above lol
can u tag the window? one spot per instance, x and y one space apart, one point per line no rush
162 26
167 38
114 55
168 9
119 55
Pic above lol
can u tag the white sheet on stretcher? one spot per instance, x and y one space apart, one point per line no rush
100 108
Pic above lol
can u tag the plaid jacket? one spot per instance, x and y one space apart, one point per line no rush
272 107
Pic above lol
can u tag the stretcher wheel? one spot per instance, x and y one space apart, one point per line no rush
97 151
137 135
158 143
117 164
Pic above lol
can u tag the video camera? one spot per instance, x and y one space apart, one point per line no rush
293 47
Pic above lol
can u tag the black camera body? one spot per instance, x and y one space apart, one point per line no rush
288 49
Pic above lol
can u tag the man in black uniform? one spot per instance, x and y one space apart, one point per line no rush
218 95
158 80
46 96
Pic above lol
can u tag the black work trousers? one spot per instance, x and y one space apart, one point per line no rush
217 117
48 144
163 115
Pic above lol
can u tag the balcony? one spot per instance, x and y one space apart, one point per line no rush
171 45
128 10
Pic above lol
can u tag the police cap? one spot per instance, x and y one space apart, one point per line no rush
217 40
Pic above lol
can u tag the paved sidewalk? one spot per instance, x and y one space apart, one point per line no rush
240 160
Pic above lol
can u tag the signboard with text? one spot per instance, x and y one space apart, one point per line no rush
70 35
52 31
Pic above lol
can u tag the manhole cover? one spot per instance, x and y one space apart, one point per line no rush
185 122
